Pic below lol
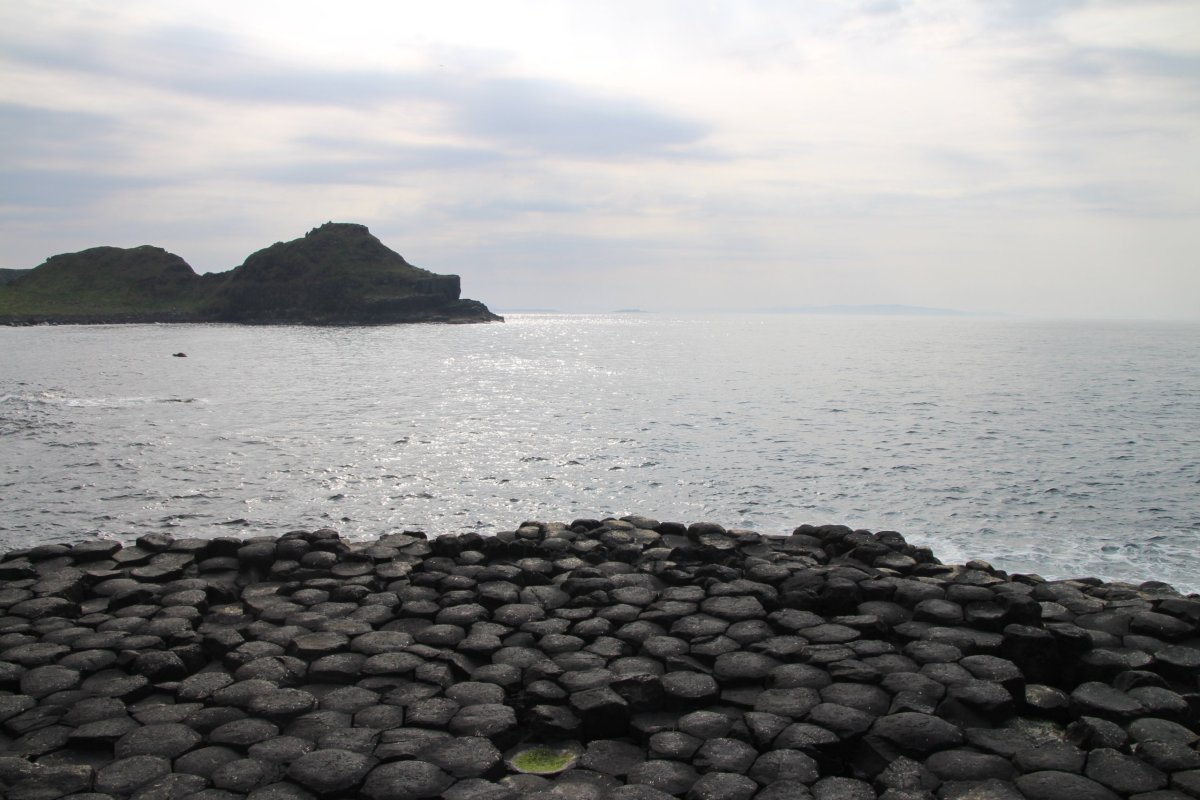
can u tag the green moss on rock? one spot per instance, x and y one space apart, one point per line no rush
543 760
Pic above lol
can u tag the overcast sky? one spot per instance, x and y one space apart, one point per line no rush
1031 157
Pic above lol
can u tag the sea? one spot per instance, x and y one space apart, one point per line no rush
1061 448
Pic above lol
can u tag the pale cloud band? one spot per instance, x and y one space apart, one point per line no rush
1028 157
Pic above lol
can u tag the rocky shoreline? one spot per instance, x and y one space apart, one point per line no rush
666 660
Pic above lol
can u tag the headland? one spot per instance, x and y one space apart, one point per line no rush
337 274
659 659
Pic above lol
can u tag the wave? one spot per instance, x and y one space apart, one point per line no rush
56 399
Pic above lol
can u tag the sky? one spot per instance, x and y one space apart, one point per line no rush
1030 157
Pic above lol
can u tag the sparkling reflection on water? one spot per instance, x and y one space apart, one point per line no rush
1051 447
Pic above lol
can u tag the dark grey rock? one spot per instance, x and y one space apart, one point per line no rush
205 760
103 732
473 693
976 702
49 782
463 757
612 757
764 728
1047 700
969 765
671 777
485 719
684 689
170 787
784 765
1187 782
125 775
243 733
870 699
743 667
1101 700
725 755
927 652
329 772
1160 626
838 788
359 740
158 666
674 745
792 676
733 608
208 719
1092 732
795 702
202 685
843 721
984 789
1176 662
938 611
169 741
1123 773
282 704
433 712
632 792
380 717
806 737
40 681
241 694
40 742
348 699
905 774
478 789
1168 756
245 775
786 790
1151 729
705 724
281 749
722 786
916 735
378 642
1055 756
1050 785
405 780
341 668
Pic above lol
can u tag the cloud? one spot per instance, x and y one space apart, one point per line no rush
548 117
533 115
980 144
369 162
29 133
63 189
51 158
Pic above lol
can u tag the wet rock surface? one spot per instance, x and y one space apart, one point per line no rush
675 661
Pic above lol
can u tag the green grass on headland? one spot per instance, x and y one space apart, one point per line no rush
336 274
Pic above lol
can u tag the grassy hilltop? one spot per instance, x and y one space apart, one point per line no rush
337 274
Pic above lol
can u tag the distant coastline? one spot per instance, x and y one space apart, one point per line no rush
877 310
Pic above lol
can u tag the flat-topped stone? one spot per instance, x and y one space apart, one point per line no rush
691 661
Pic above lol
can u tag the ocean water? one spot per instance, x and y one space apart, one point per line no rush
1060 448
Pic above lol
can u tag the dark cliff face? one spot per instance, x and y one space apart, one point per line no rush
7 276
338 274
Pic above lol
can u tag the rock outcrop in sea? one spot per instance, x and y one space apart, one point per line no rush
337 274
672 661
